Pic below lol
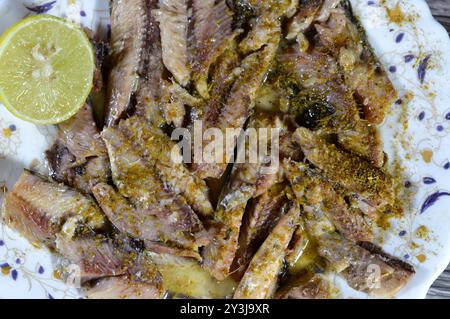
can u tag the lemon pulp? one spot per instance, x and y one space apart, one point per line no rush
46 69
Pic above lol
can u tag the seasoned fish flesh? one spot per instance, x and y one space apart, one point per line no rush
323 199
353 173
364 266
317 76
154 226
342 35
110 268
260 279
173 17
124 288
40 209
138 181
257 224
247 180
233 111
370 271
212 35
79 157
316 287
129 21
165 157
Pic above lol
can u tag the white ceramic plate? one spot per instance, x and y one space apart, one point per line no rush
415 53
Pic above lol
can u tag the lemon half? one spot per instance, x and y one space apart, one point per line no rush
46 69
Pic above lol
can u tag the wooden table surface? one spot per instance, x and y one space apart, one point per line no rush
441 10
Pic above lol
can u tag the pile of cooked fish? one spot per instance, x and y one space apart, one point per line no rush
139 225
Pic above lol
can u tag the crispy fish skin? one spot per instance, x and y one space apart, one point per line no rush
351 172
129 21
260 279
173 17
341 35
38 209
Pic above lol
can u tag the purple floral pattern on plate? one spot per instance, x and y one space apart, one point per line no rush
431 200
422 69
42 8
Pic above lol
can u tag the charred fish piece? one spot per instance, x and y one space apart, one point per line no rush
261 278
40 209
129 22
